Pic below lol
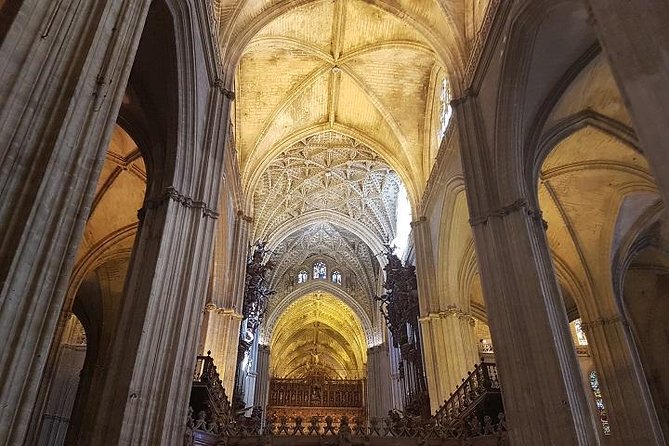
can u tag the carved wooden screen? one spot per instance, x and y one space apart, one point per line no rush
315 393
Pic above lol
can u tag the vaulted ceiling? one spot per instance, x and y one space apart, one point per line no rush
348 66
337 108
332 173
338 247
318 331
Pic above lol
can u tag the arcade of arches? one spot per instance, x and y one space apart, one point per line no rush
250 184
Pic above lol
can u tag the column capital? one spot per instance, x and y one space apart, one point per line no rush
244 217
467 95
213 308
419 221
451 312
603 321
171 193
220 84
520 204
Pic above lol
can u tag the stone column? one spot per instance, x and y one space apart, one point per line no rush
64 69
262 377
629 403
425 270
451 352
635 37
221 339
62 388
225 305
543 396
379 387
145 385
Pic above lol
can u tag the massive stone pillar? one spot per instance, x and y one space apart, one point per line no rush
379 387
262 376
629 404
451 352
541 384
635 37
62 392
225 305
449 347
425 270
221 339
146 382
64 69
144 386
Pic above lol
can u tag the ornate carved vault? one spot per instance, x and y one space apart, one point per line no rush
327 197
327 171
325 241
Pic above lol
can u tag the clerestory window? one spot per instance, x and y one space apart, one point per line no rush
320 270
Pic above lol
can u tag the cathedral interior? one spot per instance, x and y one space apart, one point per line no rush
334 222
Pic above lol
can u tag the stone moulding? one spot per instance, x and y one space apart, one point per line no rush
587 326
503 211
451 311
213 308
172 194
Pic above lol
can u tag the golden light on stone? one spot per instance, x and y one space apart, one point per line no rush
318 335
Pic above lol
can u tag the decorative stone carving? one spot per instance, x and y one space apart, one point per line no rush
327 171
341 245
172 194
453 311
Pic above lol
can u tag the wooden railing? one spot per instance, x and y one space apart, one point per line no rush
478 396
207 393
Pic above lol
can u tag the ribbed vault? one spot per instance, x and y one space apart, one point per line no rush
344 65
318 334
326 241
328 171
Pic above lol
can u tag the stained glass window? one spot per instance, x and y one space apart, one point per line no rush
320 270
599 402
302 276
336 277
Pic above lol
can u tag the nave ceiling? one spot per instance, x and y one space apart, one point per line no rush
323 241
338 116
349 66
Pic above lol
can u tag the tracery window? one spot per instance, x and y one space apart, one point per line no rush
445 110
320 270
599 402
580 334
302 276
336 277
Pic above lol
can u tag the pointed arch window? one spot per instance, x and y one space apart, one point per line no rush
320 270
302 276
336 277
580 334
599 402
445 110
